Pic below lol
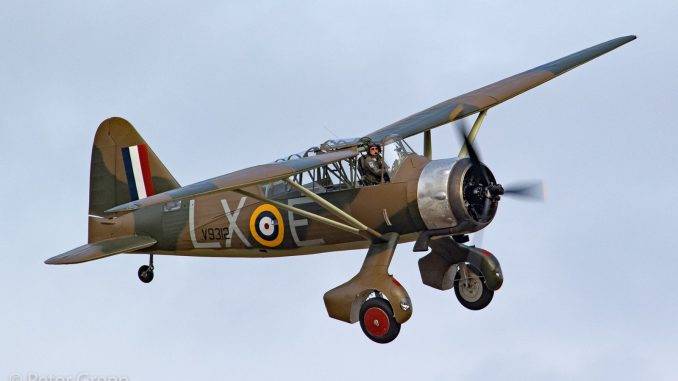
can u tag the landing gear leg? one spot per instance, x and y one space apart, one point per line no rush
146 271
373 297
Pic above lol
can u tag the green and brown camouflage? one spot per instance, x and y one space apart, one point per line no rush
137 206
108 180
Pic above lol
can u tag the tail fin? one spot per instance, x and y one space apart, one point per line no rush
123 168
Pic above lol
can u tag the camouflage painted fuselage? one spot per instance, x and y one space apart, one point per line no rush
224 224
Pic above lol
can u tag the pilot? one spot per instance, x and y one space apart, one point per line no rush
372 166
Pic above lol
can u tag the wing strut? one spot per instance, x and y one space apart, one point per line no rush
428 149
334 210
308 214
463 152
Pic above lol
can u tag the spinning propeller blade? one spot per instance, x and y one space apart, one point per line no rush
528 190
470 149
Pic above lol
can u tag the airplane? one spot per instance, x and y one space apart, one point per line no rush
322 200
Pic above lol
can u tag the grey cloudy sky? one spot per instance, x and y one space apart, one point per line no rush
213 87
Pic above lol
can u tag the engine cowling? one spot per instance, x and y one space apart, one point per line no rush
456 194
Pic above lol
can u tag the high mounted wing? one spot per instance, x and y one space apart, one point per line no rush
259 174
494 94
469 103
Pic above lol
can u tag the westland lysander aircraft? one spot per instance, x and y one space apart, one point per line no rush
364 193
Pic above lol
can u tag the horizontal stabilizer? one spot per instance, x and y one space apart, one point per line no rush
102 249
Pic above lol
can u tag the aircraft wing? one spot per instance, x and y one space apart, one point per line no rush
494 94
102 249
259 174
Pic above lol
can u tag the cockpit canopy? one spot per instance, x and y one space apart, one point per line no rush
394 151
343 174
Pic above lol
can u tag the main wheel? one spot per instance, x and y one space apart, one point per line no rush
145 274
377 321
472 292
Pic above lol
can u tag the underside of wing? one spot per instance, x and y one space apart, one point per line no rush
260 174
102 249
494 94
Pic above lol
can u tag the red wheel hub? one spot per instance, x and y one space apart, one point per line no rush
376 321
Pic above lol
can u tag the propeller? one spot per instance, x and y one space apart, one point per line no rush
527 190
486 189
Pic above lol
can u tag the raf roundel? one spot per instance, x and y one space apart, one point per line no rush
266 225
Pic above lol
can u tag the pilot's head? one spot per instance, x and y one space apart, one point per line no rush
373 149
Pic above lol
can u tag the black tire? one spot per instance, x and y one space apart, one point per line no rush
474 297
377 321
145 274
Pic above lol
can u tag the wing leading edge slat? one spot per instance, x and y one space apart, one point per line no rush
494 94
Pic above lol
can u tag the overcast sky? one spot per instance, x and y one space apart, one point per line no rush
590 274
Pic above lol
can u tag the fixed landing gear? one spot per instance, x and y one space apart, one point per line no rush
474 273
373 297
377 320
470 288
145 272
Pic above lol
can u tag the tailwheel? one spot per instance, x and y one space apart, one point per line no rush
470 288
377 321
145 272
